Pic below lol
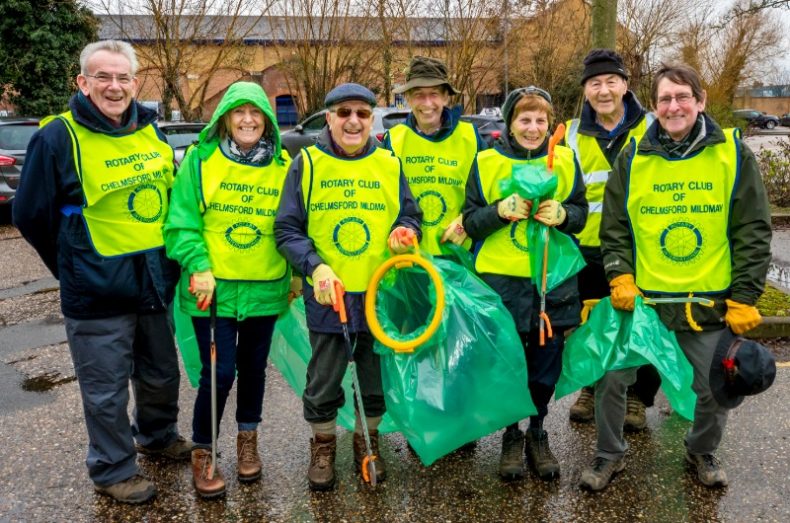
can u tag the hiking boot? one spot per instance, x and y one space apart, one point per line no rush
179 450
635 419
600 473
539 456
709 469
583 411
360 453
249 462
134 490
511 462
321 474
206 488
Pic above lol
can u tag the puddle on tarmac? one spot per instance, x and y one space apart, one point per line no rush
46 382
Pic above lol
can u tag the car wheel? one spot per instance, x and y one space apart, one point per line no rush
770 124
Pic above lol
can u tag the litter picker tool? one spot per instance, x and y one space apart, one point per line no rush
213 349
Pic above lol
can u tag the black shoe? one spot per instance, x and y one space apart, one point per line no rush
539 454
511 463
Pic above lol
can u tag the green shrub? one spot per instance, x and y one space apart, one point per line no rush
775 168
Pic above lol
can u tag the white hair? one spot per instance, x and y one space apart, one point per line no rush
113 46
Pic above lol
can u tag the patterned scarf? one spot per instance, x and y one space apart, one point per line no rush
260 154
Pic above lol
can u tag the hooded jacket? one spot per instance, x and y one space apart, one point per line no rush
91 286
749 228
184 225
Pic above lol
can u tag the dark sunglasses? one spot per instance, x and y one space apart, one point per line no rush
345 112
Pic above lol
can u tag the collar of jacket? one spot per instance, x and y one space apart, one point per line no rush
88 115
633 111
651 144
450 118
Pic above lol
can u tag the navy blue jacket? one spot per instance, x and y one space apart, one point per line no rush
290 232
91 286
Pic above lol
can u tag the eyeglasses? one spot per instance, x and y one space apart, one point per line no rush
104 78
681 99
535 91
345 112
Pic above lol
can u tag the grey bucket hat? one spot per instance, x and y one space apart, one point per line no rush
424 71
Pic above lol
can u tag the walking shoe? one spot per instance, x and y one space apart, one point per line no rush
321 474
179 450
511 462
635 419
539 456
600 472
249 462
206 488
709 469
583 411
360 452
134 490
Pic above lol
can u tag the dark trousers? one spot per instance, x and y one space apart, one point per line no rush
107 354
544 365
243 348
594 285
323 393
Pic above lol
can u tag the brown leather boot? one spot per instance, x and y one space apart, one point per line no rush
321 474
206 488
360 453
249 462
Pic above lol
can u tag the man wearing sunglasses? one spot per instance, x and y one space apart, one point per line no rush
611 117
345 203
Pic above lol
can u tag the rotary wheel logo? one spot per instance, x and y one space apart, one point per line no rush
514 237
433 207
351 236
681 242
243 235
145 203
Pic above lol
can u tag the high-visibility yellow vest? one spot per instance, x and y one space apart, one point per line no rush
595 171
679 211
437 173
125 180
238 222
507 251
351 206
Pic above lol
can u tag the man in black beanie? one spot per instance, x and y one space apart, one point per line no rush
611 116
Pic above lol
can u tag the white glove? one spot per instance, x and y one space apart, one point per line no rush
514 208
551 213
455 232
324 279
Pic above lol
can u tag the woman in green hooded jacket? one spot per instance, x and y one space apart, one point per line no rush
220 230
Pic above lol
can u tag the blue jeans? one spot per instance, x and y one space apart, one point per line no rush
243 348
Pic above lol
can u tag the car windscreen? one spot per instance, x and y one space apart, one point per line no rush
181 140
16 137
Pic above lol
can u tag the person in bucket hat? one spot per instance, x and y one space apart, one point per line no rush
740 368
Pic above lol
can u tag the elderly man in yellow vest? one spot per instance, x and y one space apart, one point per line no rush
92 200
344 204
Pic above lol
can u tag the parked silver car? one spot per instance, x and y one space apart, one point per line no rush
15 134
180 135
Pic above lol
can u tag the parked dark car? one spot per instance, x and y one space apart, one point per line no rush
307 131
180 135
489 127
785 120
15 134
756 118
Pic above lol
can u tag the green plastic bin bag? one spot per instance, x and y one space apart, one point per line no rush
612 339
290 353
469 379
534 182
187 342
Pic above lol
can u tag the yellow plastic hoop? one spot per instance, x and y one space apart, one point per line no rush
403 260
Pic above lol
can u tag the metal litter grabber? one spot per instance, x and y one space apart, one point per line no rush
213 349
368 465
688 300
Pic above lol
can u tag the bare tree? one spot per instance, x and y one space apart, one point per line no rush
604 23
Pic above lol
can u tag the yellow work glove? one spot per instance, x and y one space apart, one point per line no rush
296 288
551 213
742 318
514 208
455 233
624 291
324 279
202 285
401 239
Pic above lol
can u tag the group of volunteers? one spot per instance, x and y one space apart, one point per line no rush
243 229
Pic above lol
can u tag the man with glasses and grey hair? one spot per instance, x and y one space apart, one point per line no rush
92 198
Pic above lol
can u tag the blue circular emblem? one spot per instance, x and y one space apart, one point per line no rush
145 203
243 235
433 207
681 242
515 239
351 236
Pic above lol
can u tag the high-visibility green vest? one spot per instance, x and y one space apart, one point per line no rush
595 171
506 251
679 211
437 173
351 206
125 180
240 204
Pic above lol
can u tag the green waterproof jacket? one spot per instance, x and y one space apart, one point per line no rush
749 229
184 226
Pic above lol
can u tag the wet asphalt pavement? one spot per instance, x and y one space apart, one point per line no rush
43 444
